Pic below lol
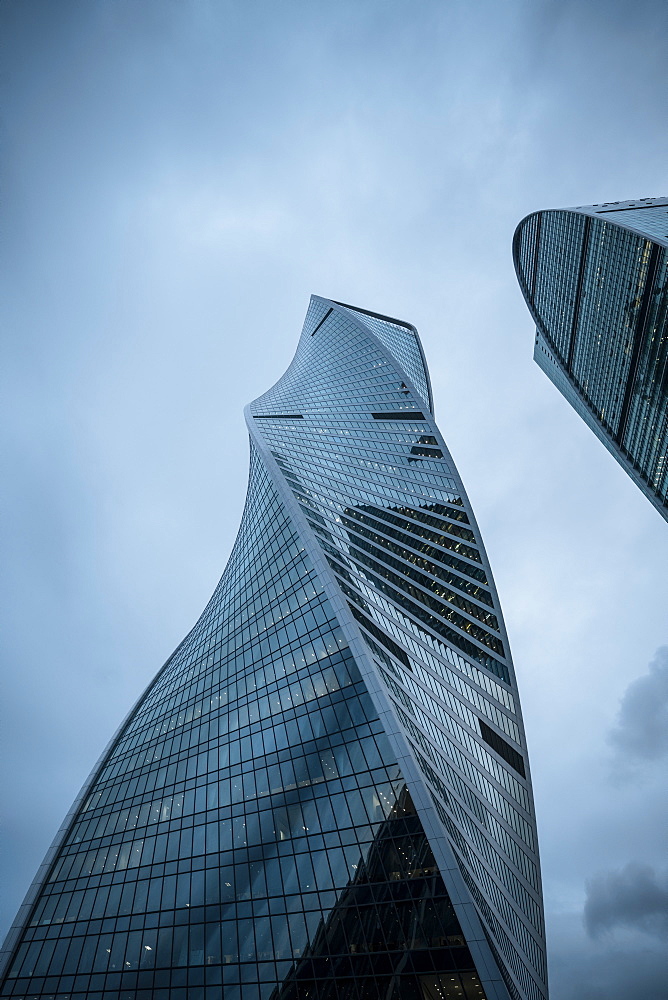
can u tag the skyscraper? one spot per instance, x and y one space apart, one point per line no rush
324 793
596 281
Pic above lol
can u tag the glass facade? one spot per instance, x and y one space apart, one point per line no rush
325 792
596 281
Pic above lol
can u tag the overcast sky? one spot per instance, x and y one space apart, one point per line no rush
179 176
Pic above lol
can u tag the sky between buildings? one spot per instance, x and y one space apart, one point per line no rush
178 178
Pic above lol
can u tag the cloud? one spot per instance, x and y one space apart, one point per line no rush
641 732
634 898
604 970
181 177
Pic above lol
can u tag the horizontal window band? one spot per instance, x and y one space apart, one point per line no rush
443 527
629 208
452 638
411 556
503 749
384 564
418 603
382 637
400 415
279 416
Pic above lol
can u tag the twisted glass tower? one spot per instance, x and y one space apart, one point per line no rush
324 794
596 282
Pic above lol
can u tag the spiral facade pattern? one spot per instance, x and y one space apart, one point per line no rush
325 791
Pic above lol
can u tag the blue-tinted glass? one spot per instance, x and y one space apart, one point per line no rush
324 792
596 281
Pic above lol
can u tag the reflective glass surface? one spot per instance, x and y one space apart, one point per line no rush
649 219
599 295
324 793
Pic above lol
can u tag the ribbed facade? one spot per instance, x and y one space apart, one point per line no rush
596 282
324 794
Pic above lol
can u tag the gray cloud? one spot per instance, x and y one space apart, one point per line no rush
601 971
641 732
634 898
177 179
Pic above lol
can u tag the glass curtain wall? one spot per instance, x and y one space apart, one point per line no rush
596 282
325 791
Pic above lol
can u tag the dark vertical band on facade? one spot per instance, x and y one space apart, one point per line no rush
638 338
578 295
539 227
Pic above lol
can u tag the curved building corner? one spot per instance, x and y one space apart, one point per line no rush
325 792
595 279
